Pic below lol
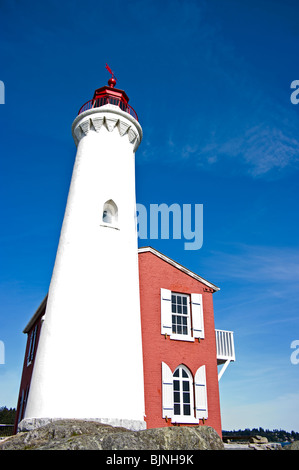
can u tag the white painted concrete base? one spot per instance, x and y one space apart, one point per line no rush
29 424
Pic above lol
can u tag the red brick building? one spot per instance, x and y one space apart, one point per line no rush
181 348
179 344
32 330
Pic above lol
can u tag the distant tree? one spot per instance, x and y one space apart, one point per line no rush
7 416
276 435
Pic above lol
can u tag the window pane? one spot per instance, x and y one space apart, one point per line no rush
179 299
185 309
184 320
184 300
174 323
185 332
173 298
177 409
107 217
184 373
185 386
179 320
179 330
186 397
179 307
176 397
176 385
187 410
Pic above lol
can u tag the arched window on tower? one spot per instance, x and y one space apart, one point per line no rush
110 213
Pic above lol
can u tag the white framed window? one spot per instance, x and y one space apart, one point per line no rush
21 406
183 401
180 318
182 315
184 398
31 346
23 403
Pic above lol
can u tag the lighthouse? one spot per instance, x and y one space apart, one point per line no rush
89 361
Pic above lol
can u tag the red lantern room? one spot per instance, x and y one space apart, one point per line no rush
110 95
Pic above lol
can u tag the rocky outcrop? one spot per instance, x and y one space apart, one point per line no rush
90 435
258 440
293 446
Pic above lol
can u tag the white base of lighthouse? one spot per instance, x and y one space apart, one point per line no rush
28 424
89 361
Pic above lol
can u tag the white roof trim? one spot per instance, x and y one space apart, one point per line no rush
178 266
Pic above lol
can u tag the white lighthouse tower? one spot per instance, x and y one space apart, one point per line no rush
89 357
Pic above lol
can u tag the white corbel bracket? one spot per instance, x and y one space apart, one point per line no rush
225 366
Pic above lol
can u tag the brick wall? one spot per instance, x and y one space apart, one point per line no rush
155 274
27 369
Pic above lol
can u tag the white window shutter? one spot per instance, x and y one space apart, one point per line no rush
167 391
201 403
197 316
166 323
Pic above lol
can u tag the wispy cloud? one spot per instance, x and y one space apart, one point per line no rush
267 148
236 118
263 148
259 264
262 144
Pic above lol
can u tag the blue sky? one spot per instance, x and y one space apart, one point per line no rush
210 81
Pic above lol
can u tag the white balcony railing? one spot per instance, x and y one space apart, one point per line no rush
225 346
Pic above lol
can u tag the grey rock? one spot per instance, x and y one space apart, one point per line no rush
258 440
90 435
257 446
168 438
293 446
